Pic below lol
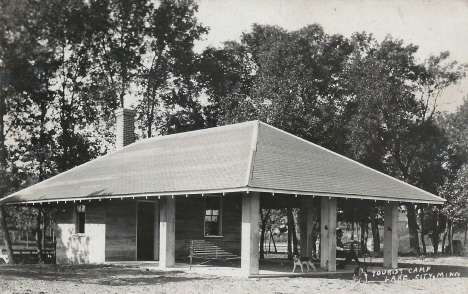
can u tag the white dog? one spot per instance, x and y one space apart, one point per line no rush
360 273
300 261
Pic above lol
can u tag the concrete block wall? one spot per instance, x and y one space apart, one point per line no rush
73 248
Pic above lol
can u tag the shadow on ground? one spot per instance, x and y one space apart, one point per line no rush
95 274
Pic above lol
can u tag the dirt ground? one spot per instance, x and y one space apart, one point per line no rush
431 275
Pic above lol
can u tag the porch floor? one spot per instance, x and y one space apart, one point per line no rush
268 268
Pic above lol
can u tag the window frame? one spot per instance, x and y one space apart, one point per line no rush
77 218
220 217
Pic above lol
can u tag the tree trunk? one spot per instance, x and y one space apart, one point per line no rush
39 234
269 242
413 230
450 237
290 230
443 238
3 182
421 220
44 228
367 236
466 229
273 239
295 243
6 236
364 227
262 243
375 230
263 229
435 232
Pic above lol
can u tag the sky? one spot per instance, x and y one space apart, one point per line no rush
435 26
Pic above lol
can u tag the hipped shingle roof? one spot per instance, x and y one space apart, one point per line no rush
250 156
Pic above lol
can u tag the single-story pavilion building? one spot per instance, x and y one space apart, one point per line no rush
147 200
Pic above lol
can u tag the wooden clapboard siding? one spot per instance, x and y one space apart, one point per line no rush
121 230
81 248
190 215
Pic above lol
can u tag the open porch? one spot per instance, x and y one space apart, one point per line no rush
253 202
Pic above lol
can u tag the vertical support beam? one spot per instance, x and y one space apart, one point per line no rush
328 234
306 223
391 235
156 231
250 233
290 233
167 232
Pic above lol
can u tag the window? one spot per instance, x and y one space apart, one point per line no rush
80 216
213 216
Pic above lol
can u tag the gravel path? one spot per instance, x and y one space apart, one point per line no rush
97 279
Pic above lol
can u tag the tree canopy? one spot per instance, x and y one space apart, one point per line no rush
371 101
65 66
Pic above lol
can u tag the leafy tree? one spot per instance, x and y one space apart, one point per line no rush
44 60
118 40
288 79
73 107
452 216
66 65
169 79
456 208
392 126
297 85
291 80
455 126
32 137
145 50
227 77
13 30
368 100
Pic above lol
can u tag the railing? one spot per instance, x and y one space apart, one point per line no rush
207 251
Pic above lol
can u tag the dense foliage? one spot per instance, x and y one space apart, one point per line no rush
373 102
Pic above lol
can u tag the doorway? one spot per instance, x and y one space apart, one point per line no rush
147 230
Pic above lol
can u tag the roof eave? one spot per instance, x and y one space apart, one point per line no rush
346 196
127 196
230 190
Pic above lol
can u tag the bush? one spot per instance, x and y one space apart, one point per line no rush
403 245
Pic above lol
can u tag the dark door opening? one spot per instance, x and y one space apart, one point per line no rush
147 231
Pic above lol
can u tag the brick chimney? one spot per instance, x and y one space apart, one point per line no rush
125 121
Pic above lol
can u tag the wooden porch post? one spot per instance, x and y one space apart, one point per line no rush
328 234
391 235
250 233
306 222
167 232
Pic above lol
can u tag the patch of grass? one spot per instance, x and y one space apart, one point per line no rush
404 245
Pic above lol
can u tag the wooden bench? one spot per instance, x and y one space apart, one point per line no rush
27 255
207 251
359 251
353 246
369 254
